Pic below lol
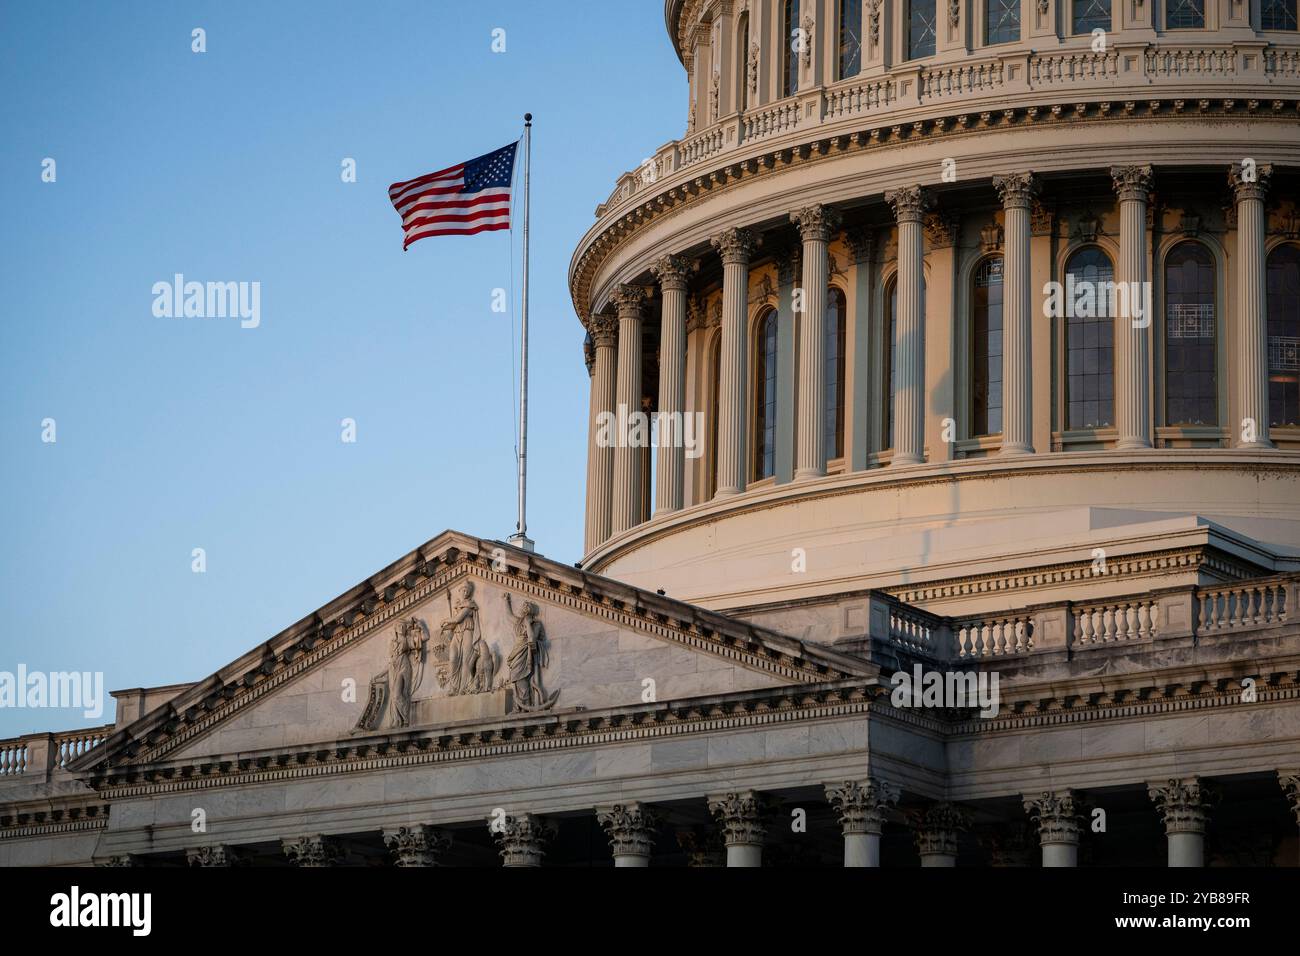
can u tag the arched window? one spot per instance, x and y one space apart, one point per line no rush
790 49
835 332
890 365
765 397
922 23
1185 15
1284 335
742 59
1089 15
1190 391
1089 344
986 348
1278 14
850 38
713 417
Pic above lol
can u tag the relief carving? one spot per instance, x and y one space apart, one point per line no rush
527 660
389 704
466 664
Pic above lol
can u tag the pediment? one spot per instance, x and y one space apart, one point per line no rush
460 632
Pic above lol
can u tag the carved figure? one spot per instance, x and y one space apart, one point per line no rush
527 659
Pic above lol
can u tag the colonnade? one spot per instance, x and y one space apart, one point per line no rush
743 820
617 497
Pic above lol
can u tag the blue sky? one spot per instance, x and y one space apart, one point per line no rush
176 434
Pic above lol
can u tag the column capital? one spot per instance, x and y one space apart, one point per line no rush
741 817
1017 190
312 850
861 804
1132 182
1057 814
589 354
673 272
522 839
603 327
910 203
941 229
937 827
630 828
1290 782
816 223
1183 804
217 855
1250 182
862 243
417 845
121 859
629 300
702 846
735 246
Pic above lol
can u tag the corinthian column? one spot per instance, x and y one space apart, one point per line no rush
1252 341
861 806
631 831
314 850
1056 814
522 839
936 834
600 454
816 224
910 204
1184 806
735 246
1290 783
627 490
741 817
1017 192
218 855
1133 341
672 273
418 845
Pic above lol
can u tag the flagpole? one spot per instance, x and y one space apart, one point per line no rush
520 538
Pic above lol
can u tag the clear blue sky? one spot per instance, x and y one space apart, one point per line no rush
175 434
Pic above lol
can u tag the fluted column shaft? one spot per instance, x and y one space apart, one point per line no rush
1017 192
1133 336
816 224
1252 331
909 327
735 247
670 468
627 486
600 455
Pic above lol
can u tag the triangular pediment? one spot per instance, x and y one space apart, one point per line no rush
459 632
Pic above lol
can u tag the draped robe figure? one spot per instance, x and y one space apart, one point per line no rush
462 649
527 658
405 652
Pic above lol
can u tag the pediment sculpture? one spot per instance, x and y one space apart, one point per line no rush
527 660
390 692
465 663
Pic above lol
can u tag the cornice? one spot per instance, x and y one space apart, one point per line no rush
1024 707
52 817
697 183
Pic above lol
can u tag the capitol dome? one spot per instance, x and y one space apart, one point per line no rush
980 304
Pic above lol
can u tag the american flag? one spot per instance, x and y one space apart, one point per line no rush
461 200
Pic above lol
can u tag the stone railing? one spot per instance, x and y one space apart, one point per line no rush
1137 72
40 755
1070 627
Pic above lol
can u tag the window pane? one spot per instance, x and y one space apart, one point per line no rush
1002 19
790 57
1091 15
833 376
1278 14
986 342
850 38
1189 337
920 28
1186 14
1090 347
1283 293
